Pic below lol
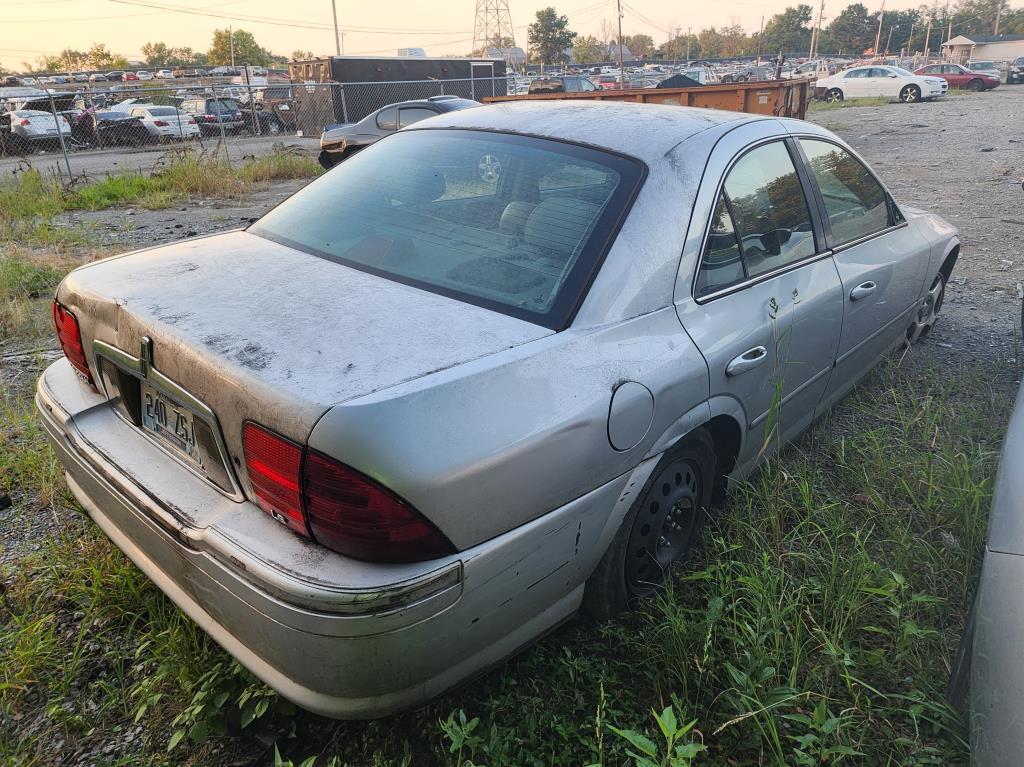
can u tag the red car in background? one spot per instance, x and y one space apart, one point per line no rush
961 77
129 76
607 82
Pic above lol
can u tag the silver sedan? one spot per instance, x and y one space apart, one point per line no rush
491 370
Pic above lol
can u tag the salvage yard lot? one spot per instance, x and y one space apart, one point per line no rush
817 626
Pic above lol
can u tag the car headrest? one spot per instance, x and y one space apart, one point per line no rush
410 182
514 217
559 224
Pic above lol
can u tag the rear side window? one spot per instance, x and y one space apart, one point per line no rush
387 119
514 223
761 221
855 201
769 210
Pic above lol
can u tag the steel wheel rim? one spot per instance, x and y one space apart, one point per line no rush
666 525
910 95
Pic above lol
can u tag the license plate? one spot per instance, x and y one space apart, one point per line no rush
171 422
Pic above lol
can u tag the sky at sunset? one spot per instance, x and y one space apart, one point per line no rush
31 28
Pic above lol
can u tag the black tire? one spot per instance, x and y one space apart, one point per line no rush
975 85
910 94
927 313
667 517
325 159
834 96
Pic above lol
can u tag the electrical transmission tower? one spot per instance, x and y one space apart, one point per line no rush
492 26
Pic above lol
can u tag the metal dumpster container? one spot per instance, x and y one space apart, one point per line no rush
782 98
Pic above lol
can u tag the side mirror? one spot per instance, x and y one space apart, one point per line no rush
893 74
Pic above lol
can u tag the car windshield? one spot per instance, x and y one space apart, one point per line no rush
162 111
983 65
513 223
216 106
112 116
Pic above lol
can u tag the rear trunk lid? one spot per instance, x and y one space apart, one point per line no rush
257 331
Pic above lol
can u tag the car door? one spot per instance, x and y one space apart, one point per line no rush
765 303
956 76
881 261
854 82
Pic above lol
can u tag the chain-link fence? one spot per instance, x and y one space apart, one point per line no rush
221 120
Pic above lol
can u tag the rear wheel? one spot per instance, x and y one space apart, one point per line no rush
910 94
660 530
834 96
274 127
975 85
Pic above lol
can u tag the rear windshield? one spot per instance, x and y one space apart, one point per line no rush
513 223
162 111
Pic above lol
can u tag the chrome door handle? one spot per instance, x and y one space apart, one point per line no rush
750 359
863 290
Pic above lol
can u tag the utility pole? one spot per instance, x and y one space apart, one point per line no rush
688 35
910 40
999 13
889 41
337 37
927 41
618 4
760 34
878 36
816 33
231 43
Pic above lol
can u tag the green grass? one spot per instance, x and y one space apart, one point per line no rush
817 627
31 200
818 105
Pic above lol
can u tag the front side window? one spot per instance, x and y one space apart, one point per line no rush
513 223
410 115
853 73
770 213
855 201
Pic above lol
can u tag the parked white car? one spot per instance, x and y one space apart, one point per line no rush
37 127
166 122
143 74
880 81
164 74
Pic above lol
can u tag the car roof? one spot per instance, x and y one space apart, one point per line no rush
647 134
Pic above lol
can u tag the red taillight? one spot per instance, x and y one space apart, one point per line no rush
161 123
274 465
210 118
24 121
335 505
352 514
191 121
69 336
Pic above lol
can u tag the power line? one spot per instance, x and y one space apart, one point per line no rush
280 22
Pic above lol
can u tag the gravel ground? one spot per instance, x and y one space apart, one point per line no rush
961 157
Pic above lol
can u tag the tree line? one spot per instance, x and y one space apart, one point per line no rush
851 32
158 55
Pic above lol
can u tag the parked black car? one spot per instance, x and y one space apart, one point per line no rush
341 141
213 113
102 129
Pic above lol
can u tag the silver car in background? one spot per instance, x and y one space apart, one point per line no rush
490 370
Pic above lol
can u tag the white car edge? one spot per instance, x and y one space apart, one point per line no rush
896 83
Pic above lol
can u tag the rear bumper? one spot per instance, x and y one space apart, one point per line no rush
382 638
